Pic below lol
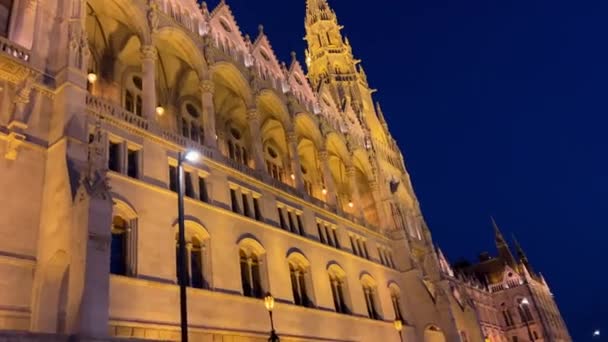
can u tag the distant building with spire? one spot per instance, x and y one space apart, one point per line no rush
512 301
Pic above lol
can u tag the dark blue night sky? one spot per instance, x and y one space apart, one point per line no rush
500 108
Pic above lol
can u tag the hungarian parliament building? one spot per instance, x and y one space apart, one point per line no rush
292 185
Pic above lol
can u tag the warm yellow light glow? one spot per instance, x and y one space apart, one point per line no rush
160 110
92 77
293 176
351 204
269 302
398 325
324 191
192 156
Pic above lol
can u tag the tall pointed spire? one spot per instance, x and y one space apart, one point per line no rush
502 246
318 10
521 255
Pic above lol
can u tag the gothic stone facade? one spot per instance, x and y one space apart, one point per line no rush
300 191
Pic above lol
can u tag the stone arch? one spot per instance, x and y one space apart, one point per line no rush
229 75
298 258
339 161
301 278
50 295
272 104
251 244
128 13
198 254
306 127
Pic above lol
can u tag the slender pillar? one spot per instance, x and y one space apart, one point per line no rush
382 217
150 102
296 166
328 179
253 117
207 91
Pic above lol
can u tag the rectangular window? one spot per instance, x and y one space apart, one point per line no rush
202 190
256 209
292 225
300 225
114 157
246 210
320 232
328 234
365 250
390 260
381 254
352 245
189 185
133 163
234 202
282 219
173 178
336 240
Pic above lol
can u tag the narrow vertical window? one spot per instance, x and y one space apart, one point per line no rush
352 245
396 307
133 163
189 185
118 255
282 219
246 209
381 255
234 201
173 178
320 232
256 209
365 250
114 157
336 240
246 275
300 225
196 265
202 190
292 226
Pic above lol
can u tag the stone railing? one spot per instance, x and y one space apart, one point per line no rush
107 109
14 50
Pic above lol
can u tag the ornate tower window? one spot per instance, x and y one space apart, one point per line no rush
236 147
298 285
370 292
6 7
337 281
190 123
274 164
133 95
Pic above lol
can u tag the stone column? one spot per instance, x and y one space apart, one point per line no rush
327 178
296 167
351 173
150 101
253 117
207 91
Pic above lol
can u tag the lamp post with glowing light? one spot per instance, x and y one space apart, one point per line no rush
596 334
399 327
269 303
524 315
190 156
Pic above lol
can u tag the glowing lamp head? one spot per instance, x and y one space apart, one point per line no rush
269 302
92 77
398 325
596 333
192 156
351 204
324 191
293 177
525 301
160 110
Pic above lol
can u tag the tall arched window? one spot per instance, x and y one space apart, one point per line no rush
337 281
301 281
236 147
396 301
197 257
133 95
525 313
6 8
250 274
274 164
190 124
370 292
118 256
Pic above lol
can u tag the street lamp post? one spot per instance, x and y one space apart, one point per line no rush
269 303
190 156
399 327
524 315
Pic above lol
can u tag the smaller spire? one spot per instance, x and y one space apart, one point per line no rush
500 239
502 246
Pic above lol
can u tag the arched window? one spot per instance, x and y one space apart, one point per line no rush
301 281
236 147
251 277
197 257
370 292
190 124
337 282
118 256
274 164
525 313
133 95
6 8
396 301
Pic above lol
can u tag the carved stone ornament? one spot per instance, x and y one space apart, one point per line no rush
153 18
13 142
